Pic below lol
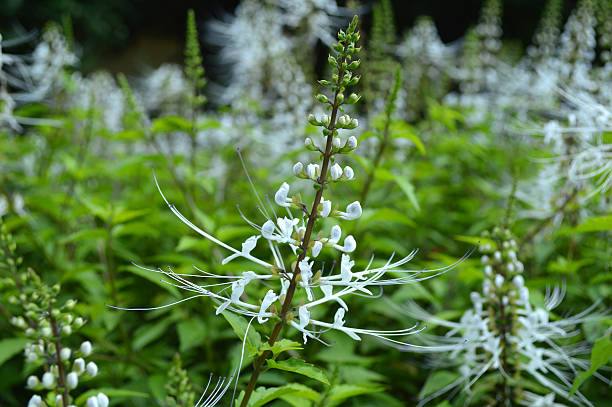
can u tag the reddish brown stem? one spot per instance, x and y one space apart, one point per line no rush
321 182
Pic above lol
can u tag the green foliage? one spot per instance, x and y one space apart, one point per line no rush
80 200
194 71
601 355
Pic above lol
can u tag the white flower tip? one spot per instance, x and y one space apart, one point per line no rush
349 244
281 198
86 348
349 174
72 380
92 369
335 172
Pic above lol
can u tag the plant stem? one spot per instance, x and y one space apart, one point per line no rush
61 380
312 217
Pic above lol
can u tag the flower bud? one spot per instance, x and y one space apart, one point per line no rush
32 382
78 366
298 168
351 143
102 400
65 353
313 120
66 329
86 348
46 331
353 98
92 369
48 380
316 248
336 142
353 124
322 98
72 380
35 401
309 144
335 172
70 304
313 170
79 322
348 173
340 97
59 401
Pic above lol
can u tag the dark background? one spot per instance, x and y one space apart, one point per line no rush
127 36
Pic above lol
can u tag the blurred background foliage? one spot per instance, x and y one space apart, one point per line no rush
82 205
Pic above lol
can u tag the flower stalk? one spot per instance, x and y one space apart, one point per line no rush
342 65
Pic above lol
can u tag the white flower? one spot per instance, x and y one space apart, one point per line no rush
32 382
268 300
325 207
72 380
35 401
335 235
353 211
78 366
92 369
351 142
346 265
349 174
306 275
247 248
86 348
316 248
65 354
282 232
298 168
349 245
48 380
281 196
304 316
335 172
313 171
99 400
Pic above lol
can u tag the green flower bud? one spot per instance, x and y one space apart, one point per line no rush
353 98
322 98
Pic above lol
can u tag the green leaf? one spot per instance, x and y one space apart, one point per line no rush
402 182
239 325
600 356
340 393
407 132
169 124
300 367
11 347
374 216
124 216
209 124
190 333
281 346
148 333
408 189
112 394
595 224
437 381
262 396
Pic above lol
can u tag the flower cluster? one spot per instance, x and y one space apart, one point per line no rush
48 326
504 335
305 275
